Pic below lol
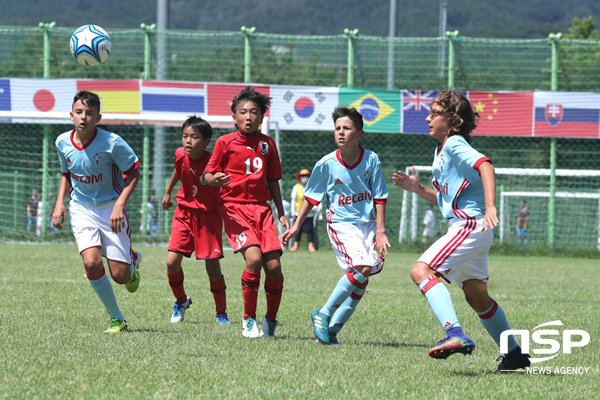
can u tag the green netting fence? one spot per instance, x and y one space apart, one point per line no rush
418 63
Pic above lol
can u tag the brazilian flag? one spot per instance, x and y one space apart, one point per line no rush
381 109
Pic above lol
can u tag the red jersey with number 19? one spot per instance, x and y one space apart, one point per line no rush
193 192
251 160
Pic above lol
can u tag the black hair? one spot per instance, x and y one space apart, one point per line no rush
350 112
198 125
250 94
462 119
88 98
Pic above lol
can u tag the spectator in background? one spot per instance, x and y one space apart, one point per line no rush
429 225
151 217
310 223
32 206
523 224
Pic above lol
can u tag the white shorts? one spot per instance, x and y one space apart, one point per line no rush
91 228
354 245
462 253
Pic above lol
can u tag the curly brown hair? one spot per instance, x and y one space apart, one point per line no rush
463 119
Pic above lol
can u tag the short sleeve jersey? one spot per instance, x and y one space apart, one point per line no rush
523 217
456 179
351 190
251 160
96 169
193 193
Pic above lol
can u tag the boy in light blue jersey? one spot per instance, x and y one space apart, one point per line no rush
465 191
351 180
93 163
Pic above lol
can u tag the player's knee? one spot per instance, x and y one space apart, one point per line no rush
420 272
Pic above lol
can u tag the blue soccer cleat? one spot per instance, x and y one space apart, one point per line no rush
179 310
222 318
321 325
450 345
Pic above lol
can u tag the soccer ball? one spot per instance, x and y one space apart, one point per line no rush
90 45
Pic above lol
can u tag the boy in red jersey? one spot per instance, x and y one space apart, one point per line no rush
197 221
246 165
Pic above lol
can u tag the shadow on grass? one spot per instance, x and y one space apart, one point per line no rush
395 344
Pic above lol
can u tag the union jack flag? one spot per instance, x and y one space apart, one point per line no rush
415 108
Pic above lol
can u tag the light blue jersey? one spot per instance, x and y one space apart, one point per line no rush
456 179
95 170
351 191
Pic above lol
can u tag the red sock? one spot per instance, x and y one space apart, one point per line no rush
176 283
250 284
218 290
273 290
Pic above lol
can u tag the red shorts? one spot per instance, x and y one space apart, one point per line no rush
197 231
250 225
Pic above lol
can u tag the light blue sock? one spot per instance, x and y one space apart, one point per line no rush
440 302
104 290
345 286
132 269
494 321
343 314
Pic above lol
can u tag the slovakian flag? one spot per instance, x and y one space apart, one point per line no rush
118 96
220 97
173 97
567 114
503 113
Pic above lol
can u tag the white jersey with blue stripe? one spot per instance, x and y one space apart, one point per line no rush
456 179
351 191
96 169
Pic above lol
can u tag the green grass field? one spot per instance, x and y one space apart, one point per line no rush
53 346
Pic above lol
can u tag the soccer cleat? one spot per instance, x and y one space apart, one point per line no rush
268 329
450 345
116 325
134 282
222 318
333 339
249 328
513 364
321 325
294 247
179 310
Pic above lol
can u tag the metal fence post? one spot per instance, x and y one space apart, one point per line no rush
451 37
16 200
554 38
45 156
247 52
351 36
148 29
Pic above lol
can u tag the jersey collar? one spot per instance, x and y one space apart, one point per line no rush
80 148
339 157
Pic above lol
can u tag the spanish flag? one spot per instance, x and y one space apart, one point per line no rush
115 96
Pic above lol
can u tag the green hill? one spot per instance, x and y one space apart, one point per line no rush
476 18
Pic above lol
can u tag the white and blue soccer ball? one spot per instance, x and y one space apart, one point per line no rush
90 45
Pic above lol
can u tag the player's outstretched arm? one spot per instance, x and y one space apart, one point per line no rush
411 183
59 215
218 179
305 209
117 217
381 241
488 179
166 202
276 195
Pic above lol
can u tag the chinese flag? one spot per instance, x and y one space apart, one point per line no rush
503 113
221 95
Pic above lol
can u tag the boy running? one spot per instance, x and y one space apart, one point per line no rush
356 192
91 162
246 165
197 221
465 191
